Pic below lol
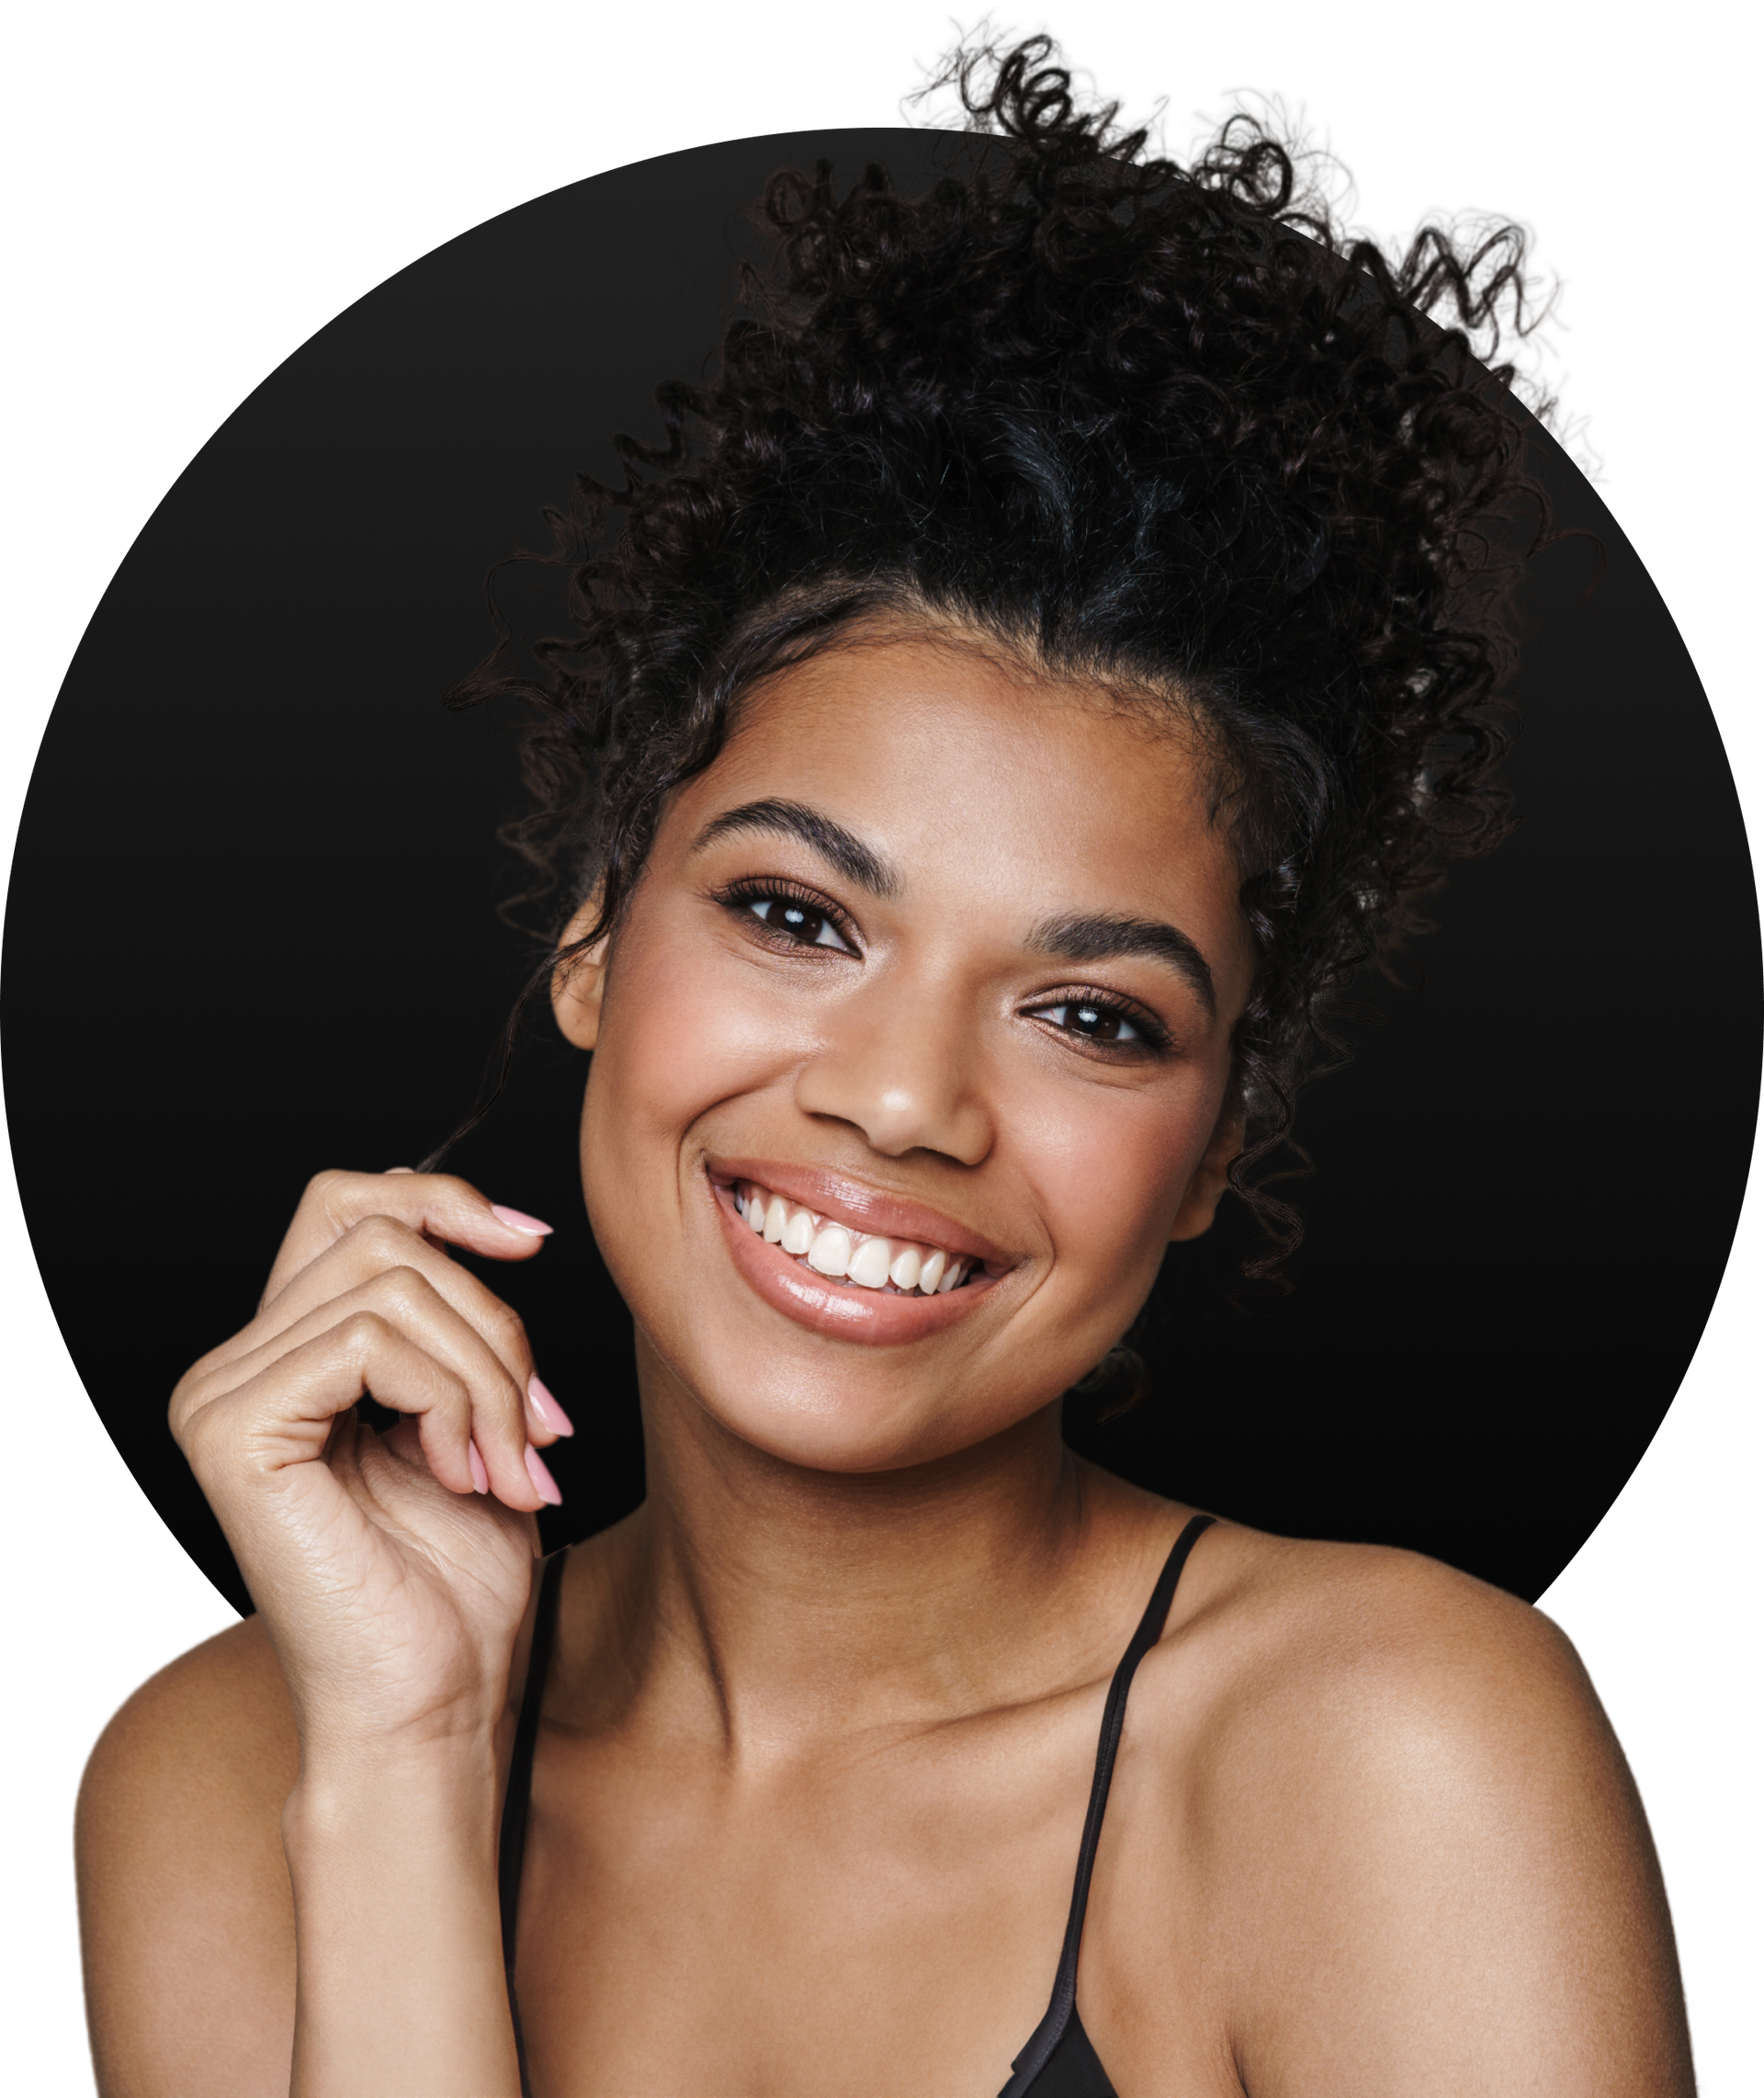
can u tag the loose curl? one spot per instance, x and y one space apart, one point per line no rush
1168 430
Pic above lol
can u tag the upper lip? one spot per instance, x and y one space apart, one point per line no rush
863 1209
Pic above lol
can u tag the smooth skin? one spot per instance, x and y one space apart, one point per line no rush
820 1722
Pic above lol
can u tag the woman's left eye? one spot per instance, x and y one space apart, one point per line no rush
1093 1023
799 922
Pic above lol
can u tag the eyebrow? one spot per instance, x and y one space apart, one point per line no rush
1103 937
832 841
1078 936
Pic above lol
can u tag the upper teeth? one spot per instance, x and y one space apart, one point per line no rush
836 1250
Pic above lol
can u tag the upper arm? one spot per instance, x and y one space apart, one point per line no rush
1457 1894
185 1915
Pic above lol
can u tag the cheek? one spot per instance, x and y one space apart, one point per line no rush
1110 1172
685 1024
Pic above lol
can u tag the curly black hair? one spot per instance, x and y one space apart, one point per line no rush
1168 429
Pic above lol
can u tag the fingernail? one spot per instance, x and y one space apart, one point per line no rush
517 1220
544 1485
480 1477
548 1408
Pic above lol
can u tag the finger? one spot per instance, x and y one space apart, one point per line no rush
403 1300
441 1204
397 1344
283 1415
378 1243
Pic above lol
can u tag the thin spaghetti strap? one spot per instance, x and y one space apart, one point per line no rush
1046 2035
512 1845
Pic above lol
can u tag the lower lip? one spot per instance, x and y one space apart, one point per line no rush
845 1312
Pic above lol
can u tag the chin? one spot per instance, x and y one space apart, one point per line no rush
827 1409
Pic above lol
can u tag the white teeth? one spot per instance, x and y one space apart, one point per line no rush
831 1253
841 1253
869 1264
904 1274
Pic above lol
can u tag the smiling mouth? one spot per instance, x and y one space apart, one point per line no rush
841 1253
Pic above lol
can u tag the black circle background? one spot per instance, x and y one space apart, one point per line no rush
84 1144
250 932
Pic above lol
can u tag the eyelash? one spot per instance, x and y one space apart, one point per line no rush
1151 1038
740 897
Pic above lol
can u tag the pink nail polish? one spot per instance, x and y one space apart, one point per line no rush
480 1477
544 1485
518 1220
548 1408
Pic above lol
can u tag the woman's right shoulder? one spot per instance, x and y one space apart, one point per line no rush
186 1913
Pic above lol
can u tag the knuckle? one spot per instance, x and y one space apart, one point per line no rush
383 1238
209 1442
451 1183
364 1329
192 1394
508 1328
400 1289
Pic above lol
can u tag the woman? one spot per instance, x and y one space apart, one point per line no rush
1035 677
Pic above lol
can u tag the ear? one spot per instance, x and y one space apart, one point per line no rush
577 985
1200 1201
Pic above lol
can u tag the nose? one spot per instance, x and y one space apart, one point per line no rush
901 1064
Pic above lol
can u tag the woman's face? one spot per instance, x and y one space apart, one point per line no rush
934 953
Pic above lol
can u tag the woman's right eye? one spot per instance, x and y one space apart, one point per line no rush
799 922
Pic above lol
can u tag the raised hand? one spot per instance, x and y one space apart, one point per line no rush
391 1570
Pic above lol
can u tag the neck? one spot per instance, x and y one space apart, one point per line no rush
775 1604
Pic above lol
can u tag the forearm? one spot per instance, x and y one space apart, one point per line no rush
401 1990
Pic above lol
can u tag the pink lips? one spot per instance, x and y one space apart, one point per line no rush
843 1310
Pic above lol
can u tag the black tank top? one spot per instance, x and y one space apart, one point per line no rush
1058 2061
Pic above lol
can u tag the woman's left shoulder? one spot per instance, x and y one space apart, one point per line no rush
1392 1789
1373 1639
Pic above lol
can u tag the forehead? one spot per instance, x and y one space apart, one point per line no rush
961 768
945 742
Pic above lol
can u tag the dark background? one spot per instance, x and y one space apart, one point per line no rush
194 238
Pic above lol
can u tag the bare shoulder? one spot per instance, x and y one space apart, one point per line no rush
1414 1830
1376 1637
1425 1695
186 1918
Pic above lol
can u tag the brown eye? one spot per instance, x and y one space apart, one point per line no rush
800 922
1094 1023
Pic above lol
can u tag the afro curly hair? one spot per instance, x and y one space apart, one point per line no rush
1168 429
